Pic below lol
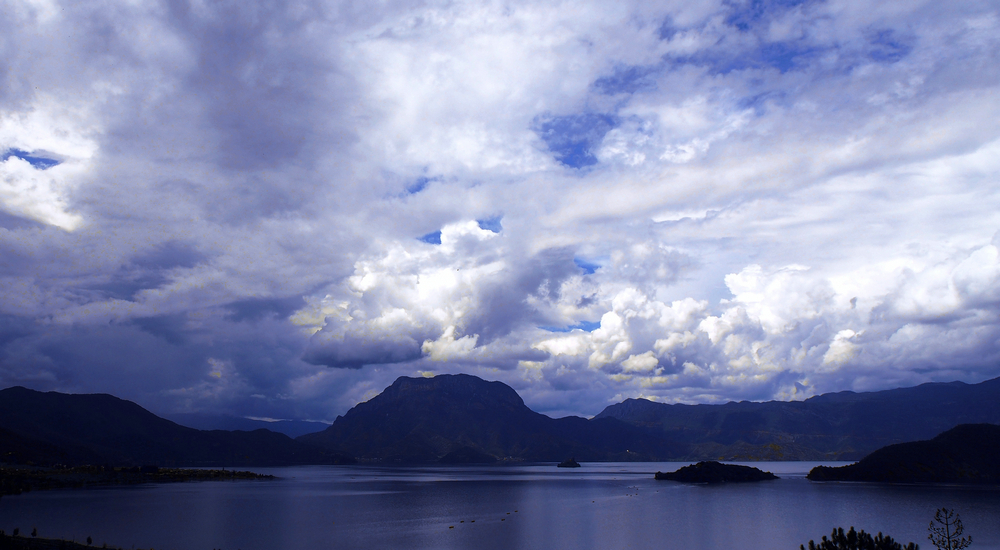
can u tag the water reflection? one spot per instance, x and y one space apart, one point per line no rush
609 505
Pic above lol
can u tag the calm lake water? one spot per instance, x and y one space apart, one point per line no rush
599 506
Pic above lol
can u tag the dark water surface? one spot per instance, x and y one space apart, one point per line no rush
599 506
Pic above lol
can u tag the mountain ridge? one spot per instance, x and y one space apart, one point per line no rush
230 423
835 426
967 453
72 429
466 418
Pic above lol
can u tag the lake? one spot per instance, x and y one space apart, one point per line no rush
531 506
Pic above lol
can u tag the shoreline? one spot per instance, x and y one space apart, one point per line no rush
15 480
22 542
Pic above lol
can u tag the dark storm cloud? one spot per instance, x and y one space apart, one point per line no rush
167 255
517 301
14 260
79 357
253 309
13 327
252 84
257 76
170 328
355 351
11 222
147 270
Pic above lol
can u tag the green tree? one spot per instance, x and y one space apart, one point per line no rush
857 540
947 534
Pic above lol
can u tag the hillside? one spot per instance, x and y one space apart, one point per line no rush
969 453
842 426
202 421
57 428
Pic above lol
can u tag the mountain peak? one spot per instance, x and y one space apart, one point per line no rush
426 419
633 409
453 385
415 400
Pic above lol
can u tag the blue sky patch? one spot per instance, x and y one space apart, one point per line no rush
784 56
667 29
586 266
491 224
431 238
626 80
587 326
747 15
42 163
572 138
888 47
419 185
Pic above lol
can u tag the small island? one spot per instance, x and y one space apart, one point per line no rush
570 463
716 472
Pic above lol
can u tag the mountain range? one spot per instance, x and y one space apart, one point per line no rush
203 421
833 426
462 418
421 419
57 428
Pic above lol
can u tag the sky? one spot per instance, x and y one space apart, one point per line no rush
275 209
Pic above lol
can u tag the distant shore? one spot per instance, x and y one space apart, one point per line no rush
24 542
15 480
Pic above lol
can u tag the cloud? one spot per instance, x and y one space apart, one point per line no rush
440 300
46 149
691 202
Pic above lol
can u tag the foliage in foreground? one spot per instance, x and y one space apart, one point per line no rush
857 540
947 534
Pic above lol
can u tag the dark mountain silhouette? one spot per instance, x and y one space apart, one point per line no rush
425 419
969 453
201 421
467 455
57 428
844 425
462 418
